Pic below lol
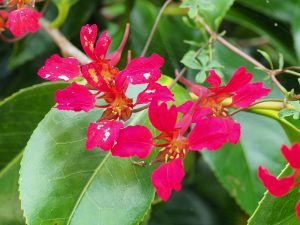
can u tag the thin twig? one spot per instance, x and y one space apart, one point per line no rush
231 47
10 40
155 26
63 43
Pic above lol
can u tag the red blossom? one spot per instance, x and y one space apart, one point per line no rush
97 51
144 70
168 177
58 68
75 97
133 141
276 186
23 20
212 133
292 155
103 134
155 92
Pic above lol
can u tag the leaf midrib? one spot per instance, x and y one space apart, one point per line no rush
84 190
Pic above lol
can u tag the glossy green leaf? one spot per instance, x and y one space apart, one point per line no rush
212 11
236 165
296 33
277 210
62 183
20 115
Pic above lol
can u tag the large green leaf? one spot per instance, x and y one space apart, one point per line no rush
236 165
62 183
20 115
277 210
212 11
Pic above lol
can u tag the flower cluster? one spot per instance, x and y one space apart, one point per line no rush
19 17
281 186
193 126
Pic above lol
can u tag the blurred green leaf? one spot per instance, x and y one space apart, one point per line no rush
267 57
212 11
63 7
20 115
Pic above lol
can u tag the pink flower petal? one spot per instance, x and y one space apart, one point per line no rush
144 70
168 177
161 117
249 93
185 107
292 155
212 133
276 186
58 68
23 20
102 45
88 35
213 79
238 80
92 73
155 91
75 97
298 210
198 90
133 141
103 134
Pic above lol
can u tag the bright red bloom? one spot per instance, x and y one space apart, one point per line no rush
155 92
212 133
97 51
58 68
23 20
103 134
3 17
123 142
75 97
292 155
276 186
144 70
133 141
168 177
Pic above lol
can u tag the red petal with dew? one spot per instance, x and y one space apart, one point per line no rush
103 134
88 35
58 68
23 20
75 97
155 91
144 70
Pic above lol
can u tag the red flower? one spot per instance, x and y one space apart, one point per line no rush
282 186
292 155
57 68
168 177
75 97
210 133
123 142
211 106
276 186
23 20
